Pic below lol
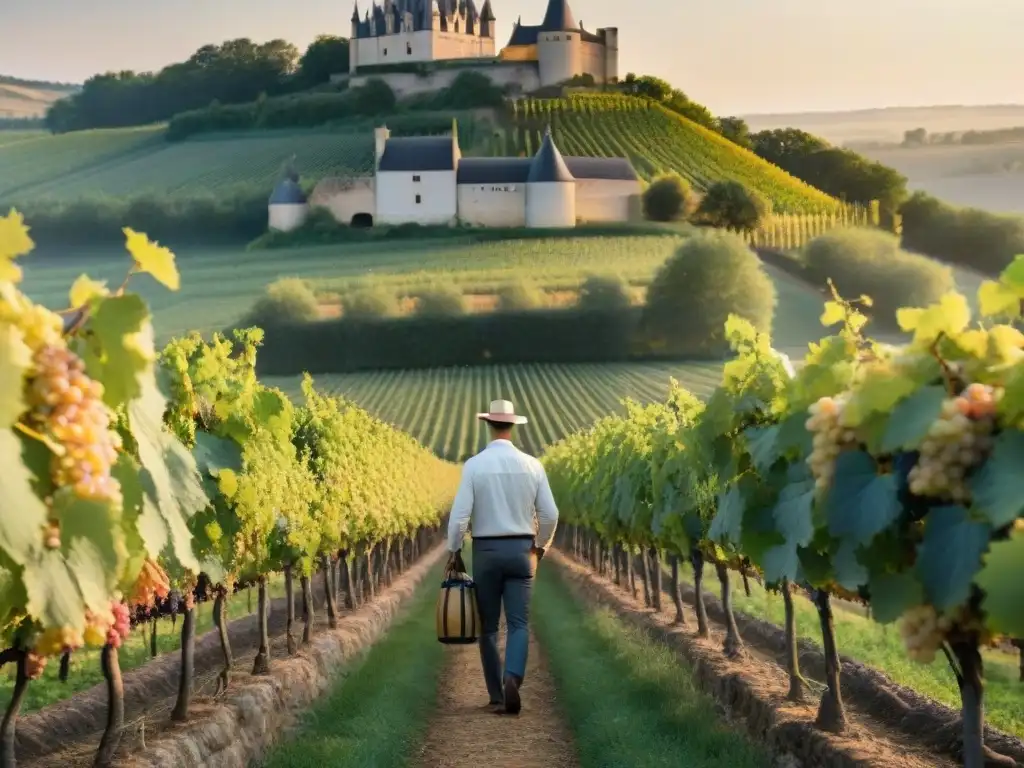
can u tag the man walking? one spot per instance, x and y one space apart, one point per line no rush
501 489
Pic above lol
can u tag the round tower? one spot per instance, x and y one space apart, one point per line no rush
288 206
550 189
559 44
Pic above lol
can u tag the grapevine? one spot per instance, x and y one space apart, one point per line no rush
876 473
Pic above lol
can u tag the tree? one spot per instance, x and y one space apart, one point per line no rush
709 277
233 72
374 98
785 146
915 138
327 55
731 205
736 130
602 292
668 198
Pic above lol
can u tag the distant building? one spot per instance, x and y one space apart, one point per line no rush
411 31
288 206
426 180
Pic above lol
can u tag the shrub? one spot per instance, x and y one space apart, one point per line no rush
731 205
288 300
515 297
599 292
369 303
870 262
977 239
709 277
235 215
441 301
668 198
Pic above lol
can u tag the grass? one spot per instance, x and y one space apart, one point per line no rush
85 669
629 700
220 284
136 161
881 647
376 715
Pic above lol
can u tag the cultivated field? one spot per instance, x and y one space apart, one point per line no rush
438 406
989 176
655 140
890 123
23 101
133 161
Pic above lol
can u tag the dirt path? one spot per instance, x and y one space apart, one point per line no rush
464 734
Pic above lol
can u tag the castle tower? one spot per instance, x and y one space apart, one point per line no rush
487 20
559 44
550 188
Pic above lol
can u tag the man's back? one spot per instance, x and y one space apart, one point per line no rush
502 488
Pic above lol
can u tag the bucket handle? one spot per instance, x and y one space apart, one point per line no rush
455 565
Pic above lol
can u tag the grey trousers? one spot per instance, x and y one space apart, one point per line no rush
503 571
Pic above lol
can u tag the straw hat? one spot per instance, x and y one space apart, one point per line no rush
502 412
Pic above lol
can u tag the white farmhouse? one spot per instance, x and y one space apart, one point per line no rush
426 180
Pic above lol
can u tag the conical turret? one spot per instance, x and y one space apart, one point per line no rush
548 165
558 17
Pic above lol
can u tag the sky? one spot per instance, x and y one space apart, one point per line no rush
735 56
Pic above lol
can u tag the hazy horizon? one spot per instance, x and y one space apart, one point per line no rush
750 57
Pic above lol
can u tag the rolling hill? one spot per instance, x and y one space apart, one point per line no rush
655 140
129 162
26 99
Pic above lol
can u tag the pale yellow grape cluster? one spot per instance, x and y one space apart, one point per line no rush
69 407
830 438
923 631
957 441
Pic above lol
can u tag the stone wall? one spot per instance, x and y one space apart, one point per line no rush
521 76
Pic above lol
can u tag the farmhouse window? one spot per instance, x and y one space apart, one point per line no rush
385 51
419 199
408 48
415 178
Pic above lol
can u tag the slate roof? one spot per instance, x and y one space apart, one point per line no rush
287 192
547 165
516 170
493 170
419 153
607 168
558 17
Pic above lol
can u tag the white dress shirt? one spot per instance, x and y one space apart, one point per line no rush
502 489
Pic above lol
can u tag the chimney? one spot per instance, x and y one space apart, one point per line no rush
380 138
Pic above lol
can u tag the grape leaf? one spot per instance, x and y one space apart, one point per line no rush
119 352
1002 578
948 316
892 594
911 418
780 562
95 521
170 477
14 242
84 289
861 503
53 596
995 487
794 506
21 526
996 298
850 573
728 522
762 443
95 583
152 258
949 556
15 358
216 453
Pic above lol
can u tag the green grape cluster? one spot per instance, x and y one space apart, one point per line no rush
830 439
